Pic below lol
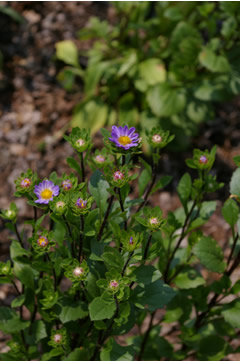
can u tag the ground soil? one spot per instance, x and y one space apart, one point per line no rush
35 108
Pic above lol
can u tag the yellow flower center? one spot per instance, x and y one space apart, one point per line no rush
124 140
46 194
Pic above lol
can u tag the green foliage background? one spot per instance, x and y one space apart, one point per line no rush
160 63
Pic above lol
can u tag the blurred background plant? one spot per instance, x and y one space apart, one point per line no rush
160 63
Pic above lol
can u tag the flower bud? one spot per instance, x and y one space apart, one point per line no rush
42 241
25 183
67 184
156 138
57 338
154 221
100 159
79 143
78 271
118 175
80 203
113 284
203 159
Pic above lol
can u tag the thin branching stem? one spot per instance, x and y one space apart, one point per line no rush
122 207
81 238
100 233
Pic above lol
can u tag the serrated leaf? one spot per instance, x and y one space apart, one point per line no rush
71 311
235 183
232 313
184 188
189 278
210 254
115 352
230 212
153 296
100 310
74 165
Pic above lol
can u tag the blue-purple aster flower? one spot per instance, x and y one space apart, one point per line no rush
203 159
123 137
45 192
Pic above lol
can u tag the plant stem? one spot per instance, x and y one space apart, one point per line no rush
179 241
126 263
53 270
81 238
122 207
82 166
70 234
15 286
105 218
145 338
18 234
147 247
233 247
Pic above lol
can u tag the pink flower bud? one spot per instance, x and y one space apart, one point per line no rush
156 138
203 159
57 338
113 284
26 182
100 158
118 175
78 271
154 221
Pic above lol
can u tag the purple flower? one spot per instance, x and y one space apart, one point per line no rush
123 137
81 203
45 192
203 159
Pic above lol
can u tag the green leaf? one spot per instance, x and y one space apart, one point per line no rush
152 71
112 258
70 310
210 254
146 274
127 62
39 330
19 301
189 278
91 114
143 181
213 62
153 296
165 100
212 348
207 209
16 250
231 313
101 310
78 354
161 183
230 212
115 352
74 165
179 309
67 52
98 188
7 10
184 188
9 321
25 274
235 183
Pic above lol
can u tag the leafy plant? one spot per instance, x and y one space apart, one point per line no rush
99 260
159 63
